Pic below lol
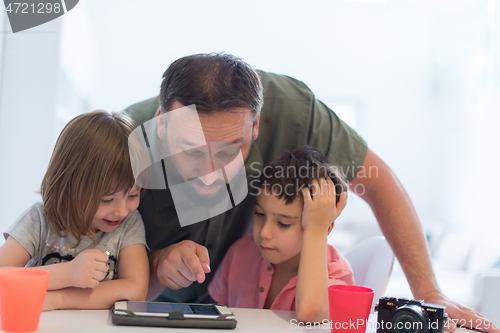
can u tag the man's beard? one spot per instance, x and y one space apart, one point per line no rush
196 198
206 200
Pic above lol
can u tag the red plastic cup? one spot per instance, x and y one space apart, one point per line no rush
22 293
349 308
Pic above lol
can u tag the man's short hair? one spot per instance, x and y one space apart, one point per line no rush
212 82
297 169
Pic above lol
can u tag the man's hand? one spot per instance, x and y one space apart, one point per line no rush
180 264
460 315
88 268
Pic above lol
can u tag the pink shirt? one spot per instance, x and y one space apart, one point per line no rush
244 277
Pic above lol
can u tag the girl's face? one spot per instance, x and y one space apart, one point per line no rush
277 229
114 208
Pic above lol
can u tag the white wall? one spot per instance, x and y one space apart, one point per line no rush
28 103
3 30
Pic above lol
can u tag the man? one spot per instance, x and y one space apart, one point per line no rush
232 108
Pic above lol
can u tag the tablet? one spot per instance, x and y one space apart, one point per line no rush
159 309
193 315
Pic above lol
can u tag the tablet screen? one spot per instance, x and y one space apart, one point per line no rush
163 308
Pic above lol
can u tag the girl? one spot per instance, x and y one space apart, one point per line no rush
287 263
87 232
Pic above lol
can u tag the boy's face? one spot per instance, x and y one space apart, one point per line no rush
277 228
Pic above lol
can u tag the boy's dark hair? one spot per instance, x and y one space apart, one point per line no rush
212 82
297 169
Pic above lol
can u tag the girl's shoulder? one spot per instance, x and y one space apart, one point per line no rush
30 229
35 209
38 206
32 215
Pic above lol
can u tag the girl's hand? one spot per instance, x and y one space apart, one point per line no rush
88 268
320 210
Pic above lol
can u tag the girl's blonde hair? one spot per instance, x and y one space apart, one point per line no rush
90 160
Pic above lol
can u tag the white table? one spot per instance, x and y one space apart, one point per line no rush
99 321
249 320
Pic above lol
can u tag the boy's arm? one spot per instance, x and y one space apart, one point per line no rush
132 284
311 298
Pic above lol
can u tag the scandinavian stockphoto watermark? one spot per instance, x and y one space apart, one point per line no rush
26 14
259 175
360 323
409 326
205 178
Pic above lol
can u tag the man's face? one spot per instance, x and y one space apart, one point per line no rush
199 154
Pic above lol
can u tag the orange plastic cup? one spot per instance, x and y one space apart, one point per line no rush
22 293
349 308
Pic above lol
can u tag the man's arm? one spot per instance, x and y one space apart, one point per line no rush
399 222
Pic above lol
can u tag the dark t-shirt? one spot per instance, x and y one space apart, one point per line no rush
290 118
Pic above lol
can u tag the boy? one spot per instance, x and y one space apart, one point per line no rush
287 264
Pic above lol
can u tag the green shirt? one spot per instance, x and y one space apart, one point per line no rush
290 118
